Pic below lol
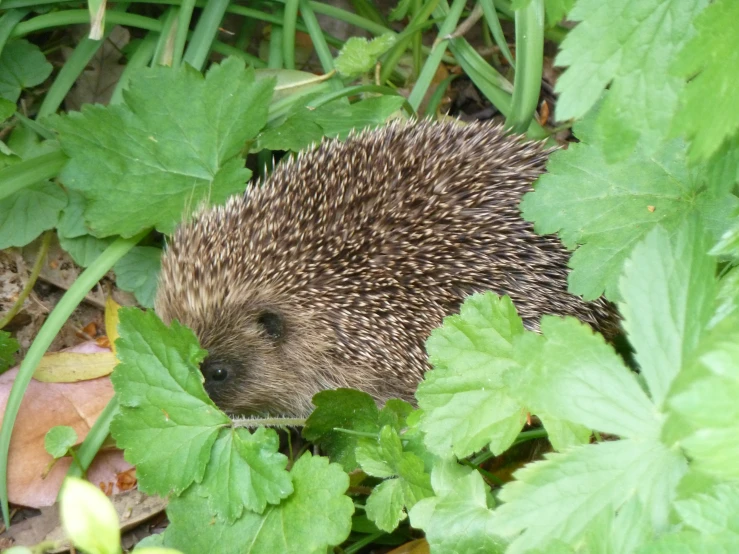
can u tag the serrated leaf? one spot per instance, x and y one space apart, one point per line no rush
350 410
25 214
705 405
669 292
385 457
359 55
632 59
175 143
714 512
138 272
465 399
8 347
385 505
59 440
607 209
315 516
560 496
22 65
167 423
689 542
380 458
245 471
458 518
705 61
584 381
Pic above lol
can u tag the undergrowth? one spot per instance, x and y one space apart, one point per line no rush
640 457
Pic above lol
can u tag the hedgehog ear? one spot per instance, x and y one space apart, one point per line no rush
271 323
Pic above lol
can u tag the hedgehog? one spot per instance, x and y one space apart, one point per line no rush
333 272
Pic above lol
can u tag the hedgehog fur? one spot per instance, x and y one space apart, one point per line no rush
334 271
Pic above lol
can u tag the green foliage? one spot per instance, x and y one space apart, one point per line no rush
162 141
306 125
406 481
137 272
705 61
22 65
359 55
642 463
587 200
314 516
631 58
59 440
8 347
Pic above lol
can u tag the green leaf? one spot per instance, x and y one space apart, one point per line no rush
563 495
167 424
385 505
85 249
706 413
59 440
317 515
465 401
336 119
351 410
607 209
138 272
689 542
458 518
25 214
176 143
385 458
583 380
712 513
88 517
22 65
7 109
631 58
245 471
707 113
669 292
359 55
8 347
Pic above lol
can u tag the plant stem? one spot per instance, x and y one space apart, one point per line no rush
94 440
290 19
529 63
205 33
361 543
37 265
49 330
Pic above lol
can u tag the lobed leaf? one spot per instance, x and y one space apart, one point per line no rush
707 113
669 293
604 209
315 516
632 59
559 498
465 400
176 143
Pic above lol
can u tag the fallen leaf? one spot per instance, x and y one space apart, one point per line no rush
44 406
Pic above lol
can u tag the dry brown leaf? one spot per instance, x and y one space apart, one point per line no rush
44 406
133 508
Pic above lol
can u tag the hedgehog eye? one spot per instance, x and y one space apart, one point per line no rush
219 374
214 371
271 323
